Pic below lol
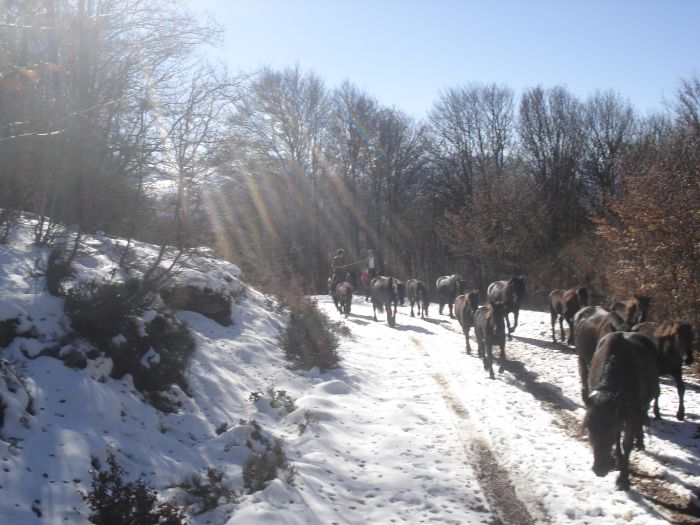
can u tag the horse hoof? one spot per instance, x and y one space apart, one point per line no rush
680 416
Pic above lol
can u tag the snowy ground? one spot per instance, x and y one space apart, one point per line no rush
408 430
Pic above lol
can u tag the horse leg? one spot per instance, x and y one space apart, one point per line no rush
623 480
412 308
451 316
515 319
678 378
657 413
502 359
554 324
570 322
561 327
510 330
488 360
440 309
583 372
374 311
466 336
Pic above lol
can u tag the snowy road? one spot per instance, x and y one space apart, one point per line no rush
514 443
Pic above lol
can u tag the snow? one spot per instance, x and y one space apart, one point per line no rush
409 428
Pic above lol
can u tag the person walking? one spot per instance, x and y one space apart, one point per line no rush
373 269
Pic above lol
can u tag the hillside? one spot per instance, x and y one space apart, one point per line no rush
409 428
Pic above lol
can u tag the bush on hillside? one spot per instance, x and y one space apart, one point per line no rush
154 347
207 494
58 268
266 461
309 340
99 310
114 500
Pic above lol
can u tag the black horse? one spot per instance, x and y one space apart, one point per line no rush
490 330
465 307
623 380
674 339
510 294
564 304
448 287
417 294
590 324
383 294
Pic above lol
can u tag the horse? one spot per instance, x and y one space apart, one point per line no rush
343 293
465 307
510 294
448 287
622 382
333 282
674 339
417 294
489 330
634 311
590 324
564 304
383 296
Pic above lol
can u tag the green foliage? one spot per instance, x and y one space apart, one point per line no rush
309 340
100 312
114 500
278 399
57 269
207 494
265 463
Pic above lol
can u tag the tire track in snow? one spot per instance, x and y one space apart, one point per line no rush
661 494
493 479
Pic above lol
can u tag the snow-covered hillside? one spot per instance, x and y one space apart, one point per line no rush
409 429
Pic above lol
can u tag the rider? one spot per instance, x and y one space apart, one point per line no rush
337 264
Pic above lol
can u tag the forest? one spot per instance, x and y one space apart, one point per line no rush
113 120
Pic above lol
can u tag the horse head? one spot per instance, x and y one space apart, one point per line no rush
473 300
516 284
641 305
582 294
599 421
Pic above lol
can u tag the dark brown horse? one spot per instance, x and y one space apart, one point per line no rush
447 288
633 311
465 307
490 330
510 294
564 304
590 324
622 382
343 296
417 294
383 294
674 340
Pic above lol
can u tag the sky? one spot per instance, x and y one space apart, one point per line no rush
409 428
404 52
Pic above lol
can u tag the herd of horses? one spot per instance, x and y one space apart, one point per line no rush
621 355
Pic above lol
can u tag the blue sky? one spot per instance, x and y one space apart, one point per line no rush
403 52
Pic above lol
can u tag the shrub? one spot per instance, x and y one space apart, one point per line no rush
279 399
207 494
98 311
309 339
57 269
113 500
267 459
154 352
